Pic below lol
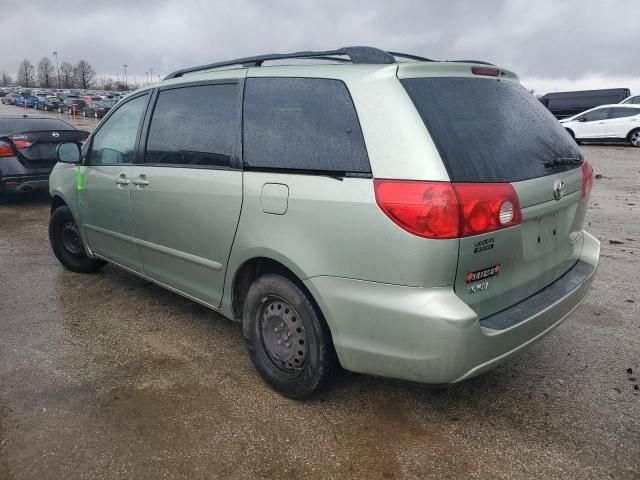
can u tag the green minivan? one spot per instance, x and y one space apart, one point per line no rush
397 216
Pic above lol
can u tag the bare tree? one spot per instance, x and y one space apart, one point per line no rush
46 72
84 74
26 74
5 79
66 75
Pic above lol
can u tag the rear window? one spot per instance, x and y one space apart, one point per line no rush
489 130
16 125
302 124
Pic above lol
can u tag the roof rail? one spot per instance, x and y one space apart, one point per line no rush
359 55
471 61
356 54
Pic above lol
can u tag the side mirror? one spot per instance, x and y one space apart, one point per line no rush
582 119
69 153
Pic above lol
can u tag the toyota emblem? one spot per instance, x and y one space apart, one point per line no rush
55 134
558 189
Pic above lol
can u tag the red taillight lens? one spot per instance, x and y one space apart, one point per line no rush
446 210
487 207
587 179
6 150
426 209
20 144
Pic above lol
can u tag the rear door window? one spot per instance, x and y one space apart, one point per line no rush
621 112
302 124
194 126
490 130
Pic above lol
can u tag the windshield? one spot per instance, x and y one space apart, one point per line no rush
489 130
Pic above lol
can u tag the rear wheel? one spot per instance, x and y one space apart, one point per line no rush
66 243
634 138
288 340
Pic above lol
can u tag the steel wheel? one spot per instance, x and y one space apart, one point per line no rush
71 239
283 336
634 139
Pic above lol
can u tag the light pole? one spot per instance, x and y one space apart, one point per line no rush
125 75
146 77
151 75
55 54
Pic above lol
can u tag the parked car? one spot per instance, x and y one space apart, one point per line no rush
567 104
633 99
608 123
98 109
9 99
91 98
50 104
25 100
70 104
370 214
28 150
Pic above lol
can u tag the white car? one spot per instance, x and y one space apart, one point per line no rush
633 99
606 123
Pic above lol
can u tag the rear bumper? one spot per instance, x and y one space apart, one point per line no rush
430 335
24 184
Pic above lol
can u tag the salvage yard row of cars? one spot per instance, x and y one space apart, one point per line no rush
88 104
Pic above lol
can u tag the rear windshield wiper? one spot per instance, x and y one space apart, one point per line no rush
562 161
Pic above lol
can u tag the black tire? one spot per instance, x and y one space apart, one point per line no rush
634 137
296 372
68 250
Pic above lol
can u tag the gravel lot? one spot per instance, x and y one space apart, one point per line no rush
108 376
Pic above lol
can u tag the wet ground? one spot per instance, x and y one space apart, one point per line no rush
108 376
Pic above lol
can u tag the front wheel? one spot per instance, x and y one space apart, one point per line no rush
634 138
288 340
66 243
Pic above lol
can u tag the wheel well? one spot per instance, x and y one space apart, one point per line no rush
253 269
56 203
630 133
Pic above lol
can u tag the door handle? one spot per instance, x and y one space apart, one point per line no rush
122 180
141 181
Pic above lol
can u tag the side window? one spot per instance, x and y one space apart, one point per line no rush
302 124
621 112
115 141
594 115
636 100
194 126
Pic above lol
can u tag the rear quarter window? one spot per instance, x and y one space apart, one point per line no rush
489 130
302 124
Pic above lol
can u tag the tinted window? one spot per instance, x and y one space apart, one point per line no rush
302 124
194 126
489 130
16 125
595 115
620 112
636 99
114 142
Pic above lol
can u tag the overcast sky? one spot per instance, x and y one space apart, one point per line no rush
551 45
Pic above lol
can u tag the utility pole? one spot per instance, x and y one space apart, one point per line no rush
151 75
125 75
55 54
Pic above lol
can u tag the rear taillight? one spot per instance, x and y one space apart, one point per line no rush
587 179
487 207
20 144
6 150
488 71
448 210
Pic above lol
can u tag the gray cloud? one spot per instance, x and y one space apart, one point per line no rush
543 39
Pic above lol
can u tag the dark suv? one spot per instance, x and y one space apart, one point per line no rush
28 150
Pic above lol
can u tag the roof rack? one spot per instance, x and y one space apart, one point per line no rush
358 55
